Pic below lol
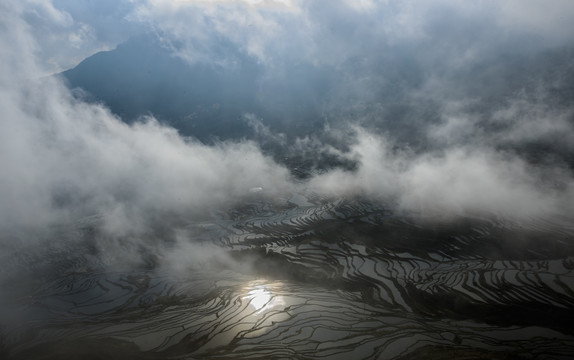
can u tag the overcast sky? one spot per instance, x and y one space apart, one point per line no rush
322 31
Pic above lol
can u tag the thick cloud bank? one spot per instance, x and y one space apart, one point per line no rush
63 159
427 101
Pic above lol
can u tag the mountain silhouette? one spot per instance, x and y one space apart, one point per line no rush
145 76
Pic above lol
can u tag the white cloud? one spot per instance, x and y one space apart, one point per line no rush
322 32
62 157
459 180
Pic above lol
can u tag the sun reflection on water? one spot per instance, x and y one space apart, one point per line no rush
261 298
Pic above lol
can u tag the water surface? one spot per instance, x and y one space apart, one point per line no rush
298 276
